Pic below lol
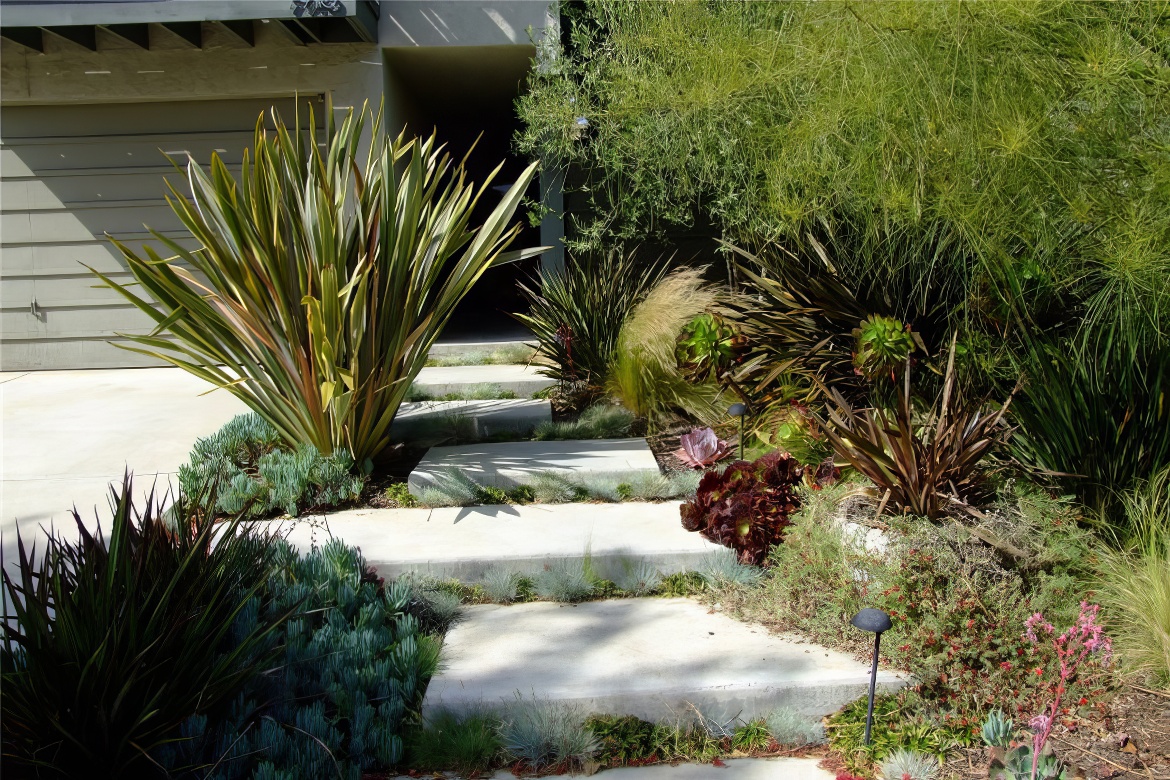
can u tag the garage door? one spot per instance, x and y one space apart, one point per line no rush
69 174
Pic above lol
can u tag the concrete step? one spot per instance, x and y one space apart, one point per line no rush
732 769
508 464
658 659
479 352
424 418
464 542
438 381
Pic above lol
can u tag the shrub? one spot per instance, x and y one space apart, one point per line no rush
1134 585
354 668
746 505
1099 419
600 421
468 746
577 313
324 275
547 734
927 467
988 161
895 728
111 642
645 377
399 494
260 475
625 740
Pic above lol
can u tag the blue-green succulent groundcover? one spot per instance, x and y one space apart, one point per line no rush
353 669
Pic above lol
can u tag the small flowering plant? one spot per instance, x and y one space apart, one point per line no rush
1085 638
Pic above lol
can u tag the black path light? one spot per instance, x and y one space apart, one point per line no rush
738 410
878 622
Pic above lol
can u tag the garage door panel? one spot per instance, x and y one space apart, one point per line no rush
89 222
61 190
115 153
75 321
71 173
69 259
34 354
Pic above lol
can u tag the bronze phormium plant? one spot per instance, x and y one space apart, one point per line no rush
324 274
927 466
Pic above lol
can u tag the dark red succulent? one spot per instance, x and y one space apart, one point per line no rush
746 506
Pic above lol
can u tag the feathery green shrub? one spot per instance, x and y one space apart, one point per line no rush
324 274
993 162
258 474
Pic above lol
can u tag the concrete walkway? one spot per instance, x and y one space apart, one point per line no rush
507 464
733 769
656 658
442 380
67 434
463 542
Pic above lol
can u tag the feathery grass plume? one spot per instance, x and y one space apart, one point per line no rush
1134 586
789 728
546 733
639 577
564 580
501 585
600 421
645 376
324 274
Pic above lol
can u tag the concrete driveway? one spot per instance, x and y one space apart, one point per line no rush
67 434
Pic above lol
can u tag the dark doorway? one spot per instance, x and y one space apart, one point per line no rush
465 93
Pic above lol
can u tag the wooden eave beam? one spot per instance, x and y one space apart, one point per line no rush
137 34
29 37
84 35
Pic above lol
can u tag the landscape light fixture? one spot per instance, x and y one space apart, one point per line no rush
878 622
738 410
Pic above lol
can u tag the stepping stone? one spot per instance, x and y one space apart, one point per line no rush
787 768
508 464
654 658
464 542
472 349
444 380
491 417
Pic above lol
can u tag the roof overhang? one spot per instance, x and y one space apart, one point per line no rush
309 21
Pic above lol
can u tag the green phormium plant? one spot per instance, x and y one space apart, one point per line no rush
323 277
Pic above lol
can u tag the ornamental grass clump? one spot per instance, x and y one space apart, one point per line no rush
322 276
113 641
